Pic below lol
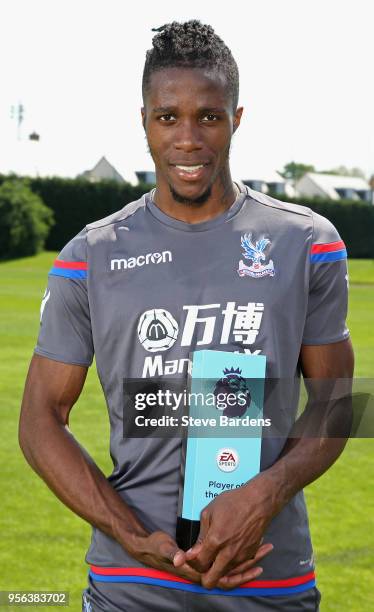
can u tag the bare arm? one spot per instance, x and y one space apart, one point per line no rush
51 390
306 458
224 544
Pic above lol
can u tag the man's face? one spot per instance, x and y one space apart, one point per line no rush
189 121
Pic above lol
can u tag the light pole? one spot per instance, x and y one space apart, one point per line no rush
16 112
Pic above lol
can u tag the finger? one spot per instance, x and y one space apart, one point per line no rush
189 573
170 551
231 582
223 566
195 550
206 553
179 558
218 569
185 571
243 567
264 550
162 550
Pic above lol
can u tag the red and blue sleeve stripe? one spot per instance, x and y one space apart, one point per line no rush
141 575
330 251
69 269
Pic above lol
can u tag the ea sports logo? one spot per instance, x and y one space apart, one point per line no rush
156 258
157 330
227 459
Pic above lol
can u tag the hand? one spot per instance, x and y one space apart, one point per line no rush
158 550
244 572
231 534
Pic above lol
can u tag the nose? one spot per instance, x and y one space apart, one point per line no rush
188 137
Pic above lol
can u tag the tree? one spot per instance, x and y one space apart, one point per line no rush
25 220
295 170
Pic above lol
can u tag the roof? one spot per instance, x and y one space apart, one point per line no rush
268 176
103 170
334 181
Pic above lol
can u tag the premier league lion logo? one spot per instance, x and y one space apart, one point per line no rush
233 384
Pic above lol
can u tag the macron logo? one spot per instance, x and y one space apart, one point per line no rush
141 260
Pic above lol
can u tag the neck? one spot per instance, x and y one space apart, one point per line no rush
222 196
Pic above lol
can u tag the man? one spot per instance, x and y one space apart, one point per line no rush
177 256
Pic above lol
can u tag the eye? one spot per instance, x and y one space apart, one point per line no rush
211 117
166 118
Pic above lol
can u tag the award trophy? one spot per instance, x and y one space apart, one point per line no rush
226 394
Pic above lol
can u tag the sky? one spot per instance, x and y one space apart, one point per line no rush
306 81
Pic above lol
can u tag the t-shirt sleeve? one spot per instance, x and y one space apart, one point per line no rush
65 325
328 286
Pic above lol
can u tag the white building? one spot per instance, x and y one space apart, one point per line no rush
146 176
271 182
103 170
334 187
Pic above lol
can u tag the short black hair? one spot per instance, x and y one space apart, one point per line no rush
190 45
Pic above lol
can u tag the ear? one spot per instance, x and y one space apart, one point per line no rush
142 110
237 117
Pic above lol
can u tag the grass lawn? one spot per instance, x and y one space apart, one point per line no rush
42 544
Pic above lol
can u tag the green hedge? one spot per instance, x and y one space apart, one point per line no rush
25 221
76 202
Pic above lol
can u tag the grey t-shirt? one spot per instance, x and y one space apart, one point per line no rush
264 277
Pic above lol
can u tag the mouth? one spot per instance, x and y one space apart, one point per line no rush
189 172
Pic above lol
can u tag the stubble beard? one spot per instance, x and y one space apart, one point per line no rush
198 201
